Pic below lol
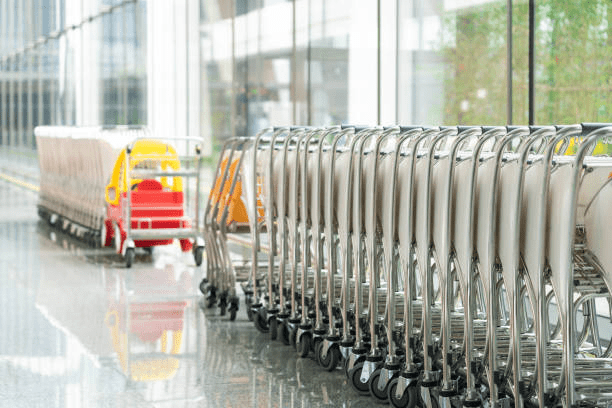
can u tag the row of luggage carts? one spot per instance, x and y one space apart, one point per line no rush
437 266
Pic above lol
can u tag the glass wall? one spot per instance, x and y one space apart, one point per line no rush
70 62
573 65
317 62
452 62
277 62
218 68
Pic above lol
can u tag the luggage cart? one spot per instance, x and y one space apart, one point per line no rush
337 222
579 265
364 262
495 236
214 263
400 383
354 350
145 211
459 215
225 212
311 329
257 168
288 327
390 319
352 344
285 173
361 373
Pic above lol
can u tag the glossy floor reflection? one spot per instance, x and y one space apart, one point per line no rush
77 329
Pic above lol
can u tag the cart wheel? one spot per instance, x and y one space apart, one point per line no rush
234 305
345 367
203 288
260 323
355 379
198 254
117 238
129 257
315 344
408 399
318 349
329 362
273 328
212 299
293 338
382 396
303 347
283 333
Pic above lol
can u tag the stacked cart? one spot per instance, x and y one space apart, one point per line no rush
439 266
121 186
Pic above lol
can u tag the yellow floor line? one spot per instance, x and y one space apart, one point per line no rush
19 182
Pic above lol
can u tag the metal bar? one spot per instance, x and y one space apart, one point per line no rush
308 63
162 233
140 174
378 62
293 84
531 62
509 62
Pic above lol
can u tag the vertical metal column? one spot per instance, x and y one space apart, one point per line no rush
3 71
21 73
3 99
233 89
29 38
531 62
509 62
11 102
308 62
40 52
10 65
125 70
20 77
378 57
293 86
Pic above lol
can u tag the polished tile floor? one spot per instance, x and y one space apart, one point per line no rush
78 329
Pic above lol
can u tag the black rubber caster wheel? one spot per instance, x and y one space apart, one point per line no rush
260 323
293 338
130 254
355 380
408 399
198 255
284 333
303 347
212 300
203 286
234 305
345 367
273 328
223 304
331 360
436 404
315 343
381 396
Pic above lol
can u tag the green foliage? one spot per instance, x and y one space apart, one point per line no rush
573 58
474 48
